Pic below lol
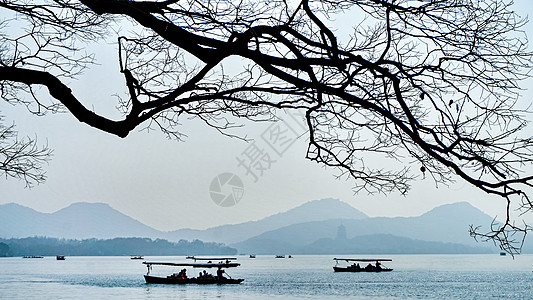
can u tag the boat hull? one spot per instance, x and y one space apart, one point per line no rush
176 280
358 270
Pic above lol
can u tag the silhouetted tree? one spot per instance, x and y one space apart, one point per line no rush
432 84
21 158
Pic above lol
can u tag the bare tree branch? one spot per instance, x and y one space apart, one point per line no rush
22 158
431 84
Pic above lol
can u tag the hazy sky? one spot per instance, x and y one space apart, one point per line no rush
166 184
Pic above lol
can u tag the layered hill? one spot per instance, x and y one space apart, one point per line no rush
98 220
317 210
447 224
309 228
77 221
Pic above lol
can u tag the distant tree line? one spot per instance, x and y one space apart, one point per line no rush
4 250
111 247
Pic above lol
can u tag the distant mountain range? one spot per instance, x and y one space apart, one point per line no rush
310 228
443 229
318 210
77 221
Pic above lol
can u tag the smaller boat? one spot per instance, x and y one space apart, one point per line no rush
503 253
137 257
252 256
280 256
32 256
60 257
355 267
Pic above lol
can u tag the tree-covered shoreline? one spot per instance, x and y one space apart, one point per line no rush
109 247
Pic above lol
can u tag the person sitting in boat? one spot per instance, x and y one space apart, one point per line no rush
378 265
220 274
183 274
369 267
206 275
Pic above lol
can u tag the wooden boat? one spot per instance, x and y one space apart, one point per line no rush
136 257
194 280
355 267
182 278
60 257
252 256
280 256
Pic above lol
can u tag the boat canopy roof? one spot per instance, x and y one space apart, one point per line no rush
194 265
363 259
212 258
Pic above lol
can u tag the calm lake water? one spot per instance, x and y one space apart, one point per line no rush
301 277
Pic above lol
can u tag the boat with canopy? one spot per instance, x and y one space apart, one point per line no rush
221 276
353 265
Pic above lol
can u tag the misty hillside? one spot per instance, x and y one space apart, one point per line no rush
19 221
364 244
444 224
299 228
77 221
98 220
388 244
317 210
